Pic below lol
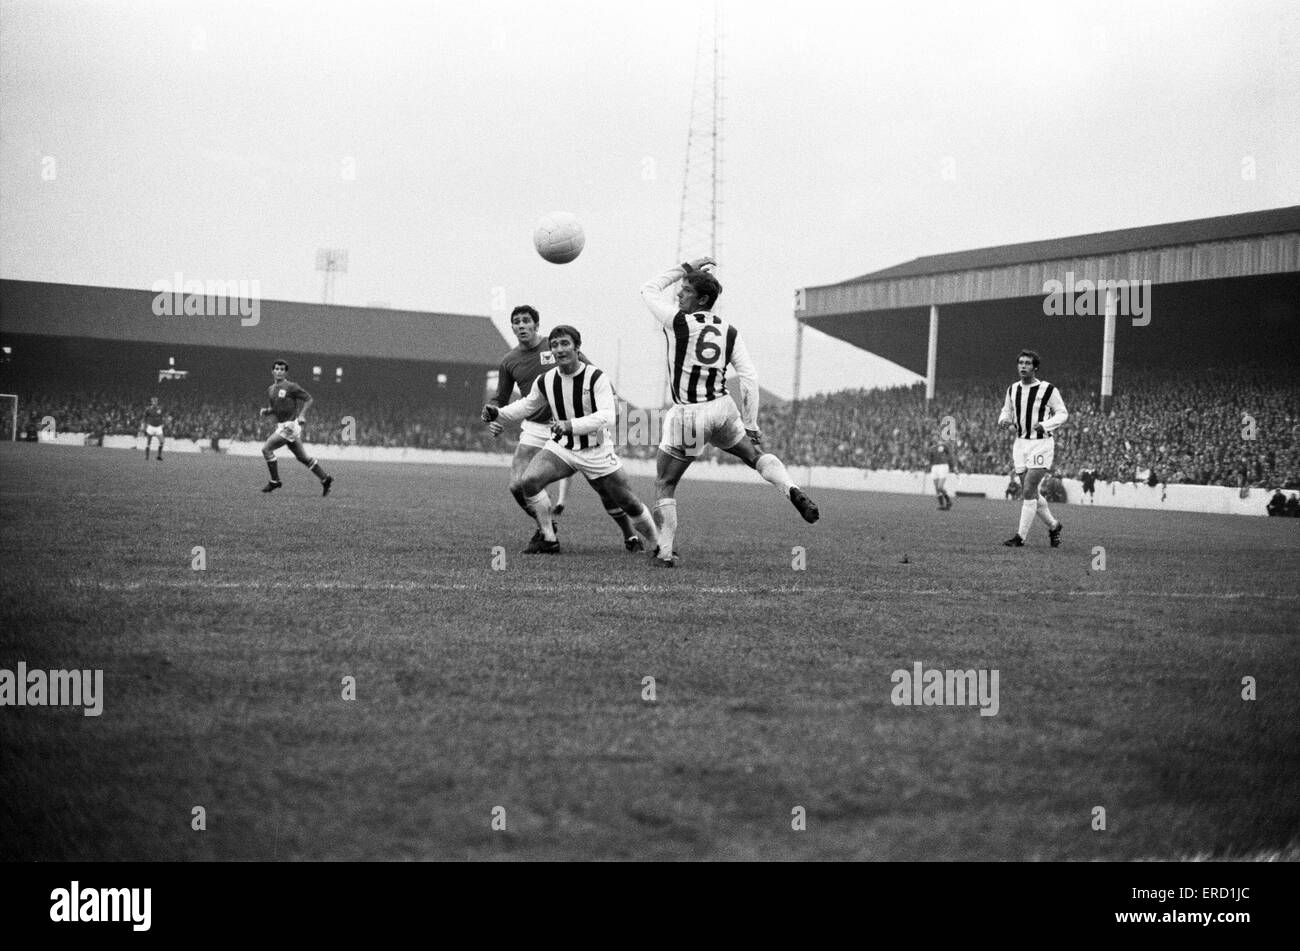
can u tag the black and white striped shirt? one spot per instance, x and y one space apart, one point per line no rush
1028 405
699 348
586 398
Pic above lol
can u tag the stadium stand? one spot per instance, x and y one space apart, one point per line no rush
378 422
1164 426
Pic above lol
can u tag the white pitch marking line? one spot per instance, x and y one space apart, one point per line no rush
633 588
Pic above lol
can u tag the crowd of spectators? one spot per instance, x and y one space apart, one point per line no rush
114 413
1218 427
208 417
1211 428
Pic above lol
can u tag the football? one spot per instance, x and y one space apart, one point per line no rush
559 238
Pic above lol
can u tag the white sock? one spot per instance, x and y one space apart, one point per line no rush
1027 510
644 524
666 516
561 491
1045 514
541 503
773 470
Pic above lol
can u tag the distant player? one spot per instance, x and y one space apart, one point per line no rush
1033 409
581 403
522 366
289 417
941 465
700 346
1088 476
151 426
1277 504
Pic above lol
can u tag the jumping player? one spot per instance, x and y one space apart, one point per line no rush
522 366
152 425
285 395
581 403
940 467
1033 409
700 346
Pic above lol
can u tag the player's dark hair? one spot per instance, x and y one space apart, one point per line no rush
564 330
527 309
1031 355
706 287
281 363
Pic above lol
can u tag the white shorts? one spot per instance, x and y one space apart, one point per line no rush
533 434
594 463
688 428
153 431
939 470
289 431
1033 453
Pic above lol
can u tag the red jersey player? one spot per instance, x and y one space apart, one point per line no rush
152 425
940 468
285 395
522 366
582 409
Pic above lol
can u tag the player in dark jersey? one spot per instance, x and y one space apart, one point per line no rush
522 366
582 410
285 395
152 425
941 466
1088 476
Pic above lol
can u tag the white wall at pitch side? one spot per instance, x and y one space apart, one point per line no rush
1172 498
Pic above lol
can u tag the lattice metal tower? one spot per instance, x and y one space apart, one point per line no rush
330 261
697 231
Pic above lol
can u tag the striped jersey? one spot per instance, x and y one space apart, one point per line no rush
699 348
523 367
1028 404
586 398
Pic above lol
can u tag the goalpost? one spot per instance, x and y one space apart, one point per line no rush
12 409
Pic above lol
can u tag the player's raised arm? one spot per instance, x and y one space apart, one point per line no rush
520 409
748 375
657 296
602 394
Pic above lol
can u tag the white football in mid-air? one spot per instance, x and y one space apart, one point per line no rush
559 237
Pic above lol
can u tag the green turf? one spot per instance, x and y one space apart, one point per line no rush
522 688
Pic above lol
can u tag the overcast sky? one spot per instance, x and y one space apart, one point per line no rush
231 140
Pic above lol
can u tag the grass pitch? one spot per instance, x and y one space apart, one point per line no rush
523 688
